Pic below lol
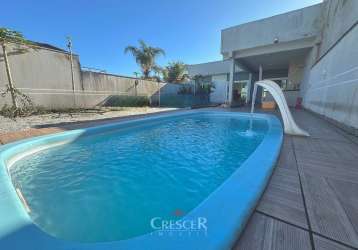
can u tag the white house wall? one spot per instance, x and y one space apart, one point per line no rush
219 94
210 68
295 25
330 88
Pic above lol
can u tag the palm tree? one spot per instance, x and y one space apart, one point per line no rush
157 72
145 56
16 38
175 72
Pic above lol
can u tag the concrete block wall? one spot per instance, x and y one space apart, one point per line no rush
45 75
97 87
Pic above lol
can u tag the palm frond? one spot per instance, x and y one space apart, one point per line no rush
132 50
158 51
12 36
142 44
145 56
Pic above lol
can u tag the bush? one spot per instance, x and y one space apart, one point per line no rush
25 106
12 112
127 101
205 89
185 90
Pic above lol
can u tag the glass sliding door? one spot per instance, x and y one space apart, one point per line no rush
240 93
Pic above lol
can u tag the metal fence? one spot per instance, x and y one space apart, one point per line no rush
180 100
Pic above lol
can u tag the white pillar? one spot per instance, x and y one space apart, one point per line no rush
249 88
231 79
254 93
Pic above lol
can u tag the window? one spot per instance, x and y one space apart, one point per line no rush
285 84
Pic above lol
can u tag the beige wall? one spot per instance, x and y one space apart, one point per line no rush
40 69
45 76
98 86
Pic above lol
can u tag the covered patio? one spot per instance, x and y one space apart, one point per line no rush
285 66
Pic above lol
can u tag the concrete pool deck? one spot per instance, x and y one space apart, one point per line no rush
311 201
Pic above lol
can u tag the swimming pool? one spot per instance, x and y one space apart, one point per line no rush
122 185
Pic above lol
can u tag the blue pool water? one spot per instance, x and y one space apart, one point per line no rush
108 186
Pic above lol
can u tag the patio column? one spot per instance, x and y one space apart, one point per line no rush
231 80
249 84
254 93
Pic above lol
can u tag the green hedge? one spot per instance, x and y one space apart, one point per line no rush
127 101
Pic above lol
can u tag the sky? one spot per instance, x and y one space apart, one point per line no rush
188 30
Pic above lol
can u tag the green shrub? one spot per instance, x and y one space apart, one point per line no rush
185 90
13 112
127 101
205 89
23 104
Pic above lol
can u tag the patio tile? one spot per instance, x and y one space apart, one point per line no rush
329 166
291 213
326 213
324 158
287 158
263 232
317 127
283 199
325 244
338 149
336 174
346 193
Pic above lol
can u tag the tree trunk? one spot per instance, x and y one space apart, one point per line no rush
146 73
9 77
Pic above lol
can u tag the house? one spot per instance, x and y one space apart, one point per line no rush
218 73
310 52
